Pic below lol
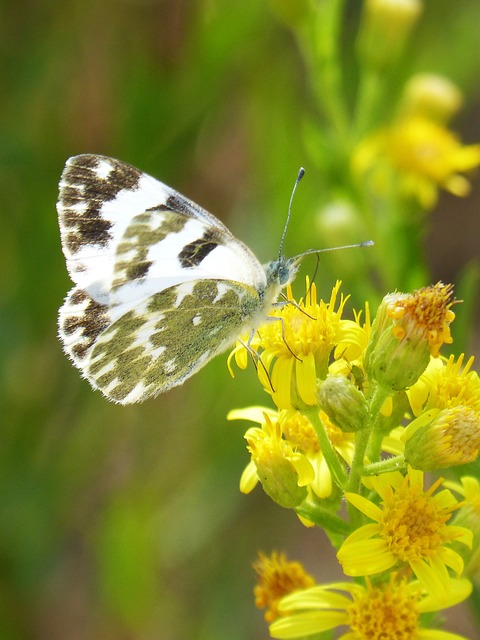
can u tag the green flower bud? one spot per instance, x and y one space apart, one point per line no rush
280 481
343 403
430 96
282 471
439 439
386 25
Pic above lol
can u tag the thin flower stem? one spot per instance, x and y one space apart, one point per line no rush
385 466
322 518
328 451
361 442
319 43
376 434
377 400
367 101
375 442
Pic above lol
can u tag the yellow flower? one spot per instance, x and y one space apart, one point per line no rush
410 529
296 343
283 471
446 384
421 155
390 610
277 577
442 438
469 516
299 435
408 328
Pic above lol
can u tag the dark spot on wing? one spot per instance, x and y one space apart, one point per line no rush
193 253
78 296
91 321
177 202
84 193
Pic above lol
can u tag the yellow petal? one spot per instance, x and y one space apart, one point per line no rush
365 506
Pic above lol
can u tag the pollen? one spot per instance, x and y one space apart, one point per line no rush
384 611
277 577
298 430
413 525
428 311
453 385
459 432
309 327
296 345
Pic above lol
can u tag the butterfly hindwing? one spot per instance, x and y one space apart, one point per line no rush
167 338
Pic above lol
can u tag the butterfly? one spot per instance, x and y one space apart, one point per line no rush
161 285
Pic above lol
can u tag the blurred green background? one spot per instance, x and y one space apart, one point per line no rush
127 523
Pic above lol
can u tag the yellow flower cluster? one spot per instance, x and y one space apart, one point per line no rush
345 391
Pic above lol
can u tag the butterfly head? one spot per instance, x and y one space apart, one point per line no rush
281 271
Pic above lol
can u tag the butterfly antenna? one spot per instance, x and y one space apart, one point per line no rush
301 173
367 243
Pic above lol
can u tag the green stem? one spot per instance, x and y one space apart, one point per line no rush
328 451
377 400
361 441
319 44
368 96
375 443
324 519
385 466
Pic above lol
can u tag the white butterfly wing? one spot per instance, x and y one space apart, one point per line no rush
123 234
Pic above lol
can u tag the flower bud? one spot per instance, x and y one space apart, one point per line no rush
439 439
280 481
431 96
386 25
283 472
343 403
407 329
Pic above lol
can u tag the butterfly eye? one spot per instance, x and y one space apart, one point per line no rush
286 271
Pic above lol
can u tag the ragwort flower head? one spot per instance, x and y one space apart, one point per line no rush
390 610
276 578
298 437
446 384
446 401
408 329
421 156
469 516
410 529
283 471
385 27
442 438
296 343
432 96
